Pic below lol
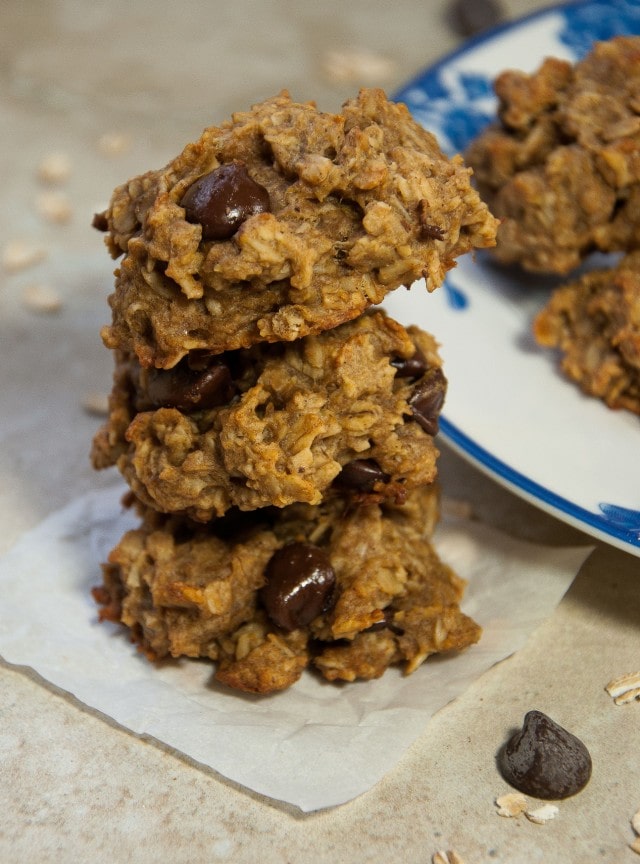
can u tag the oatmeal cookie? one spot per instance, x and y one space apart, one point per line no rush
595 323
282 222
266 593
561 168
354 408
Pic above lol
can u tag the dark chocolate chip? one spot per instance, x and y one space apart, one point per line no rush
223 199
411 367
385 624
300 585
544 760
361 475
427 399
187 389
468 17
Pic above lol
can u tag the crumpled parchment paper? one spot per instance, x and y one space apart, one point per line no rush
316 745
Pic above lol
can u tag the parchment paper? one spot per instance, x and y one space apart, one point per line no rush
316 745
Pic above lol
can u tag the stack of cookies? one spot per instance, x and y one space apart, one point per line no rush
275 428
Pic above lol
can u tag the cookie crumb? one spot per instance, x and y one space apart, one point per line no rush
624 689
54 207
542 814
449 857
96 404
635 846
114 144
41 297
20 254
363 66
54 168
511 804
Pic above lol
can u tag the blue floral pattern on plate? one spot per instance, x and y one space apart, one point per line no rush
623 519
457 104
594 21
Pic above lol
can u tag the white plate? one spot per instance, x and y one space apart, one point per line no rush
508 410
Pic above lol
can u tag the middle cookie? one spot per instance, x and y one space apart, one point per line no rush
355 409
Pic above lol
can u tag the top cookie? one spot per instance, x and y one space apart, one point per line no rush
283 222
561 168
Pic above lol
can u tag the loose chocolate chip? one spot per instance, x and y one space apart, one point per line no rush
300 585
469 17
187 389
427 399
544 760
361 475
223 199
411 367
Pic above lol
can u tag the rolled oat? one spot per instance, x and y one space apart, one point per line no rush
54 168
624 689
41 297
54 207
20 254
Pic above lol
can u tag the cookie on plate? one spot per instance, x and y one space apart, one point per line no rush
594 321
282 222
349 589
561 167
352 409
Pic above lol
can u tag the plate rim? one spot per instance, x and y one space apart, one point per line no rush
461 442
486 36
533 492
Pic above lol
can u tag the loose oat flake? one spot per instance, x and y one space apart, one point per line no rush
54 168
114 144
96 404
511 804
363 66
449 857
20 254
54 207
624 689
40 297
542 814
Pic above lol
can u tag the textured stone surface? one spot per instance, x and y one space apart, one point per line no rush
75 786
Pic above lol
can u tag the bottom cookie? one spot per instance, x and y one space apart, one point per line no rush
595 322
265 594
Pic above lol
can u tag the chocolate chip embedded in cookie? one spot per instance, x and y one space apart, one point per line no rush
561 168
352 411
595 323
282 222
263 594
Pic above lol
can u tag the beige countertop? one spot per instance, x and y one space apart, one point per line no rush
119 87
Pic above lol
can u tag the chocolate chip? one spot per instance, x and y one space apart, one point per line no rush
411 367
187 389
544 760
469 17
300 585
427 399
361 475
223 199
385 624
